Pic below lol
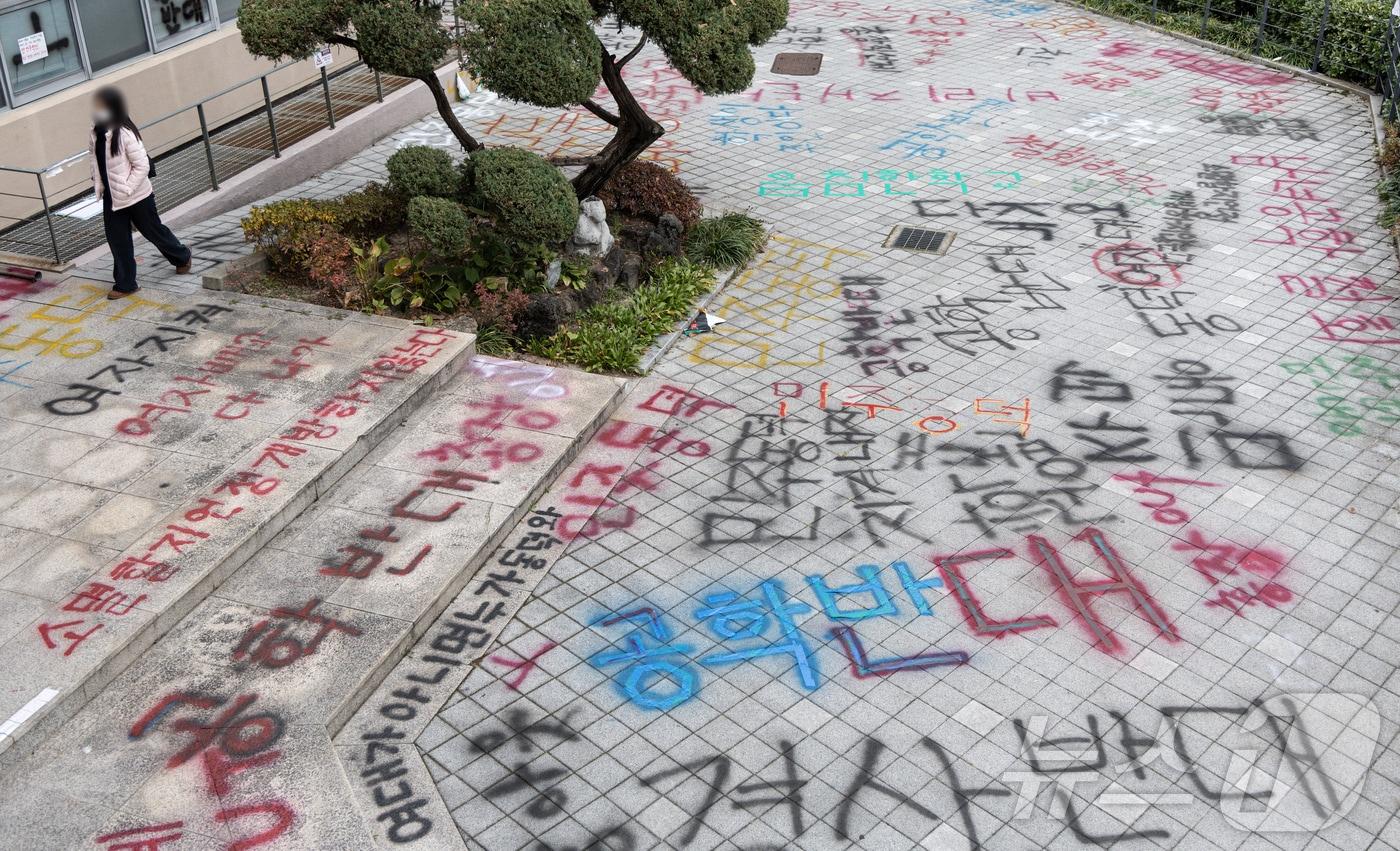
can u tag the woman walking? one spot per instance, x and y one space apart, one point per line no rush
121 178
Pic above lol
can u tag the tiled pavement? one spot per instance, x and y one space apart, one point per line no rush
1077 534
1042 542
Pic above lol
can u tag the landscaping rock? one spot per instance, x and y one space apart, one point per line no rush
631 276
543 316
665 238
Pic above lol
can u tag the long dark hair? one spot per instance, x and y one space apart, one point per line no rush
114 102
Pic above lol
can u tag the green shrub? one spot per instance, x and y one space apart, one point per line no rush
1390 150
441 223
498 307
1350 46
542 52
725 242
369 212
529 200
495 341
647 190
1389 191
422 170
286 230
331 266
402 283
613 337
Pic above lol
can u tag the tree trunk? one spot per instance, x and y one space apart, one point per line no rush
636 131
444 108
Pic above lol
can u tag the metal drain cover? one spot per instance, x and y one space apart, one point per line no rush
797 64
911 238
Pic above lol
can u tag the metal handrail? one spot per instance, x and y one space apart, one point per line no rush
204 137
196 105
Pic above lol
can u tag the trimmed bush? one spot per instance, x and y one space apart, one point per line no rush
370 212
404 39
542 52
530 200
441 223
647 190
422 170
285 230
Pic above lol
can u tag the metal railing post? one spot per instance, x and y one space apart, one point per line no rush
271 121
1263 22
1321 33
48 216
1205 16
1154 12
1392 80
378 87
326 89
208 148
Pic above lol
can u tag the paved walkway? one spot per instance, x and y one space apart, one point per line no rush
1039 542
1076 533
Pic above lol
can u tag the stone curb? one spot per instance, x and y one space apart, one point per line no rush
215 277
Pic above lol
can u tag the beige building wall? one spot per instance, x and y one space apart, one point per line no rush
52 128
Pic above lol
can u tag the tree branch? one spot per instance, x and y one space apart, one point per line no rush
444 108
631 54
571 160
345 41
598 110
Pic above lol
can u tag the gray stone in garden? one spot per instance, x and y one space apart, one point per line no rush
665 238
543 315
631 274
592 237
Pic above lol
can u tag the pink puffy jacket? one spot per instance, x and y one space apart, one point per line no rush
127 170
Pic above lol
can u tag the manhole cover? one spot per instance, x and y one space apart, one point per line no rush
797 64
912 238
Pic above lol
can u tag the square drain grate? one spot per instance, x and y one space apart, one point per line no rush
797 64
912 238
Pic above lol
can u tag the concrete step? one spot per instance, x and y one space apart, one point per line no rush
155 445
222 731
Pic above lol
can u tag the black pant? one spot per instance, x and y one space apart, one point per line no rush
146 218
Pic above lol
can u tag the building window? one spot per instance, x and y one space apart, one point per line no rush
39 39
175 21
39 45
113 31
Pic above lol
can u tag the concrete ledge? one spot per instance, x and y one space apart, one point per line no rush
215 277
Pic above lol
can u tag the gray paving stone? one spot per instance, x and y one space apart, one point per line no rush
1270 482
